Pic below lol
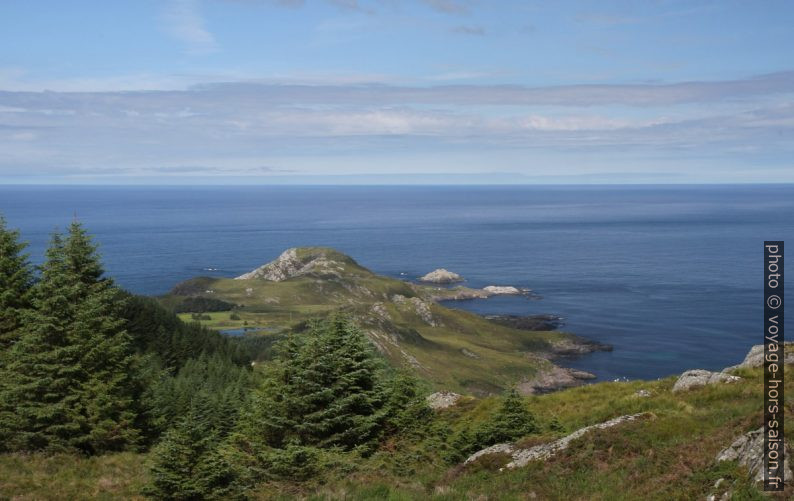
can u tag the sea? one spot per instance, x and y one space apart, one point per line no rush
671 276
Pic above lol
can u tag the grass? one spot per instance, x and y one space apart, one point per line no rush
63 476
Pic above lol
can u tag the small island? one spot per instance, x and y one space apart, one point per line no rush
441 276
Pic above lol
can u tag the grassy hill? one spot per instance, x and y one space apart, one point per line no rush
453 349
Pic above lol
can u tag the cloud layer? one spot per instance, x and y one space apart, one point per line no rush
256 128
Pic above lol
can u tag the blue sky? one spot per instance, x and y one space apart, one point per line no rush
396 91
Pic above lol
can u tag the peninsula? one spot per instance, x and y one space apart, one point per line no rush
453 349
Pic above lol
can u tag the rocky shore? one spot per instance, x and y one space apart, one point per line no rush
528 322
466 293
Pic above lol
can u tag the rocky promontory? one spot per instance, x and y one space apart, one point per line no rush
406 321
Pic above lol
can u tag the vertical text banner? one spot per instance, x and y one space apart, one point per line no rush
774 361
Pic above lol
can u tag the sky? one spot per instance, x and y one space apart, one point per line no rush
396 92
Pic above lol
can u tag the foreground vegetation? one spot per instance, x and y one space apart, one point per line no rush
670 456
106 395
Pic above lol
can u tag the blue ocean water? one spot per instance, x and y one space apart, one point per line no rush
670 275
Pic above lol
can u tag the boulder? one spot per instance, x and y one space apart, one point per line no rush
552 378
442 400
698 377
441 276
747 451
755 357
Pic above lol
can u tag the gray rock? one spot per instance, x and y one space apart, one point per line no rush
552 378
379 310
458 294
441 276
748 450
696 378
494 449
583 375
422 309
755 358
502 290
469 353
521 457
289 265
442 400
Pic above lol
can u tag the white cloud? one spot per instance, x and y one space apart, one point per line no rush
184 22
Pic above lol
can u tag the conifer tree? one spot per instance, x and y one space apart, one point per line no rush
188 463
343 381
16 278
177 469
68 383
107 358
325 390
512 421
38 400
271 418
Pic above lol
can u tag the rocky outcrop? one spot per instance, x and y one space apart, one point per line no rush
422 309
495 290
553 378
441 276
698 377
457 294
522 456
380 312
573 346
464 293
442 400
748 451
316 261
755 357
528 322
419 306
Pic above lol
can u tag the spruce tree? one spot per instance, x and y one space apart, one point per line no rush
68 383
38 401
16 278
107 362
343 379
512 421
325 390
276 406
177 469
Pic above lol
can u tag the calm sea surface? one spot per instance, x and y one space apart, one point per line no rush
671 276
